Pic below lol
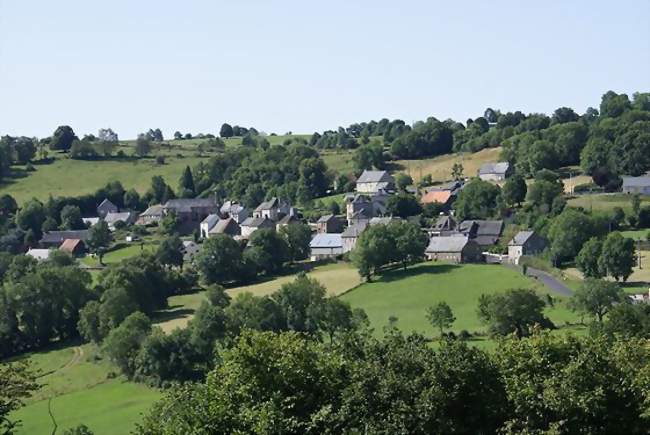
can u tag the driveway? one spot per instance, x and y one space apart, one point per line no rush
549 280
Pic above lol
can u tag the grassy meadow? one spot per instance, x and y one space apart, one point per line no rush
606 201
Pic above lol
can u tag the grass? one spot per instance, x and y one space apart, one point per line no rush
605 201
407 294
119 254
637 234
337 279
338 160
638 282
82 390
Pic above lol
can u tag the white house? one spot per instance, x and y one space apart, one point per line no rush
494 171
325 245
374 181
207 224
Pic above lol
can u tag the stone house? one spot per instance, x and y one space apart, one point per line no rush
455 249
525 243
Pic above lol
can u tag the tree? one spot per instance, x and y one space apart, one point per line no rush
142 145
514 190
402 181
403 205
31 216
440 316
186 187
132 199
170 252
568 233
618 256
99 237
477 200
169 223
369 156
62 138
122 343
543 192
564 114
457 171
71 218
409 242
596 297
80 429
8 205
219 260
268 250
588 259
297 237
514 311
18 382
226 130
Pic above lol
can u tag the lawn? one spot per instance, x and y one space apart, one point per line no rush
117 255
82 390
407 294
337 279
605 201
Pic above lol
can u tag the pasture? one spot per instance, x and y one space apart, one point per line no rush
440 167
605 201
407 294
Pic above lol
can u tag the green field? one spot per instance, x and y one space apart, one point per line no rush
407 294
337 279
83 390
117 255
605 201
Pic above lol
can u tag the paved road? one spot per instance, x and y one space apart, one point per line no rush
549 280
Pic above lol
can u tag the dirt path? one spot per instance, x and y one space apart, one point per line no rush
76 358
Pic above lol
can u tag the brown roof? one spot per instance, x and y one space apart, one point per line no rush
69 245
441 196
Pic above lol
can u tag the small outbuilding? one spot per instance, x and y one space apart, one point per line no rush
325 246
494 171
640 185
74 247
455 249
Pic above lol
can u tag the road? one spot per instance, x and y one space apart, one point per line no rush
547 279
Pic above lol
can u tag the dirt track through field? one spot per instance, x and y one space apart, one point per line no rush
78 354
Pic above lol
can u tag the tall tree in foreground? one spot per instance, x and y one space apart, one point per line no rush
514 311
17 382
186 187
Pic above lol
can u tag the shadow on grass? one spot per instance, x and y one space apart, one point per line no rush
172 314
398 274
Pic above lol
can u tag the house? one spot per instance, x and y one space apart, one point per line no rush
39 254
444 225
207 224
53 239
525 243
355 204
350 236
191 210
90 221
289 219
252 224
189 249
228 226
455 248
273 209
151 216
442 197
128 217
105 207
640 185
74 247
494 171
383 220
374 181
234 210
324 246
483 232
329 224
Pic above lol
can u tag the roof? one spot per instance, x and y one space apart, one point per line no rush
106 203
256 222
190 247
483 228
445 222
494 168
520 238
124 216
353 230
60 236
231 207
154 210
375 177
447 244
358 198
383 220
643 181
326 241
190 203
69 245
39 254
90 220
326 218
268 205
288 219
440 196
210 220
226 226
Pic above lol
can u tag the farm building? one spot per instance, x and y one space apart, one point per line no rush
444 225
128 217
640 185
457 249
191 211
351 235
228 226
325 246
370 182
483 232
525 243
494 171
73 247
53 239
252 224
105 207
151 216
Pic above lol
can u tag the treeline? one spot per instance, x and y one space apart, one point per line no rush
290 383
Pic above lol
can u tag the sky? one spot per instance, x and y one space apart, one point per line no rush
305 66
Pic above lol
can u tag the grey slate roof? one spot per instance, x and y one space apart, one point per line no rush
326 218
643 181
326 241
375 177
483 228
187 204
124 216
107 203
226 226
353 231
383 220
60 236
211 220
447 244
268 205
257 222
520 238
154 210
288 219
445 223
494 168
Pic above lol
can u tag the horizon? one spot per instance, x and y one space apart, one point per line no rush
305 68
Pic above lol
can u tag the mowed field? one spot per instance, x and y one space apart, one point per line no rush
606 201
82 389
336 278
407 294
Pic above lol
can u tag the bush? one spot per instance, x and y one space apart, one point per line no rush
160 160
464 335
29 167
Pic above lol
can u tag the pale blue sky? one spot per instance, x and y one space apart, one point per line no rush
303 65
